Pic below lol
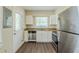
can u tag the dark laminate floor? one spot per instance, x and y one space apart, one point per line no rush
36 48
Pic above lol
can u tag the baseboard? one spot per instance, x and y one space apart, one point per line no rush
44 41
36 42
19 47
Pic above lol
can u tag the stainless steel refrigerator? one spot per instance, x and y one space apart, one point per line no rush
69 30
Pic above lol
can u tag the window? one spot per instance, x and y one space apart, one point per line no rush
18 21
7 18
41 21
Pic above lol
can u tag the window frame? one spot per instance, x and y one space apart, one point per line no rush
41 26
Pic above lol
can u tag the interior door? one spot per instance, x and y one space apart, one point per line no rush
18 31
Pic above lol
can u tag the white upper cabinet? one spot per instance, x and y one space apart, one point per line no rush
29 20
53 20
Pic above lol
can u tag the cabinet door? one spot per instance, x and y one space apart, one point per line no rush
38 36
26 36
53 20
44 36
49 36
29 19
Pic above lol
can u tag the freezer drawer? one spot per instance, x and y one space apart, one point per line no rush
62 41
69 43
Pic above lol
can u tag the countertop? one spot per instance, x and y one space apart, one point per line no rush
41 29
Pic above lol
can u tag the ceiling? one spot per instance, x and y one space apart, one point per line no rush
42 8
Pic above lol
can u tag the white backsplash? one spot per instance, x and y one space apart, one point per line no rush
41 27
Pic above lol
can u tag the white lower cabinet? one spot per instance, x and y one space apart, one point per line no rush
44 36
26 36
41 36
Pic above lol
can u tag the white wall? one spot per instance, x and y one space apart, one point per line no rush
60 10
0 24
1 41
6 34
7 37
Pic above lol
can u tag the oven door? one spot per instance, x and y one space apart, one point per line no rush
55 41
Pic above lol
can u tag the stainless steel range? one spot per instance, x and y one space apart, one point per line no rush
55 40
